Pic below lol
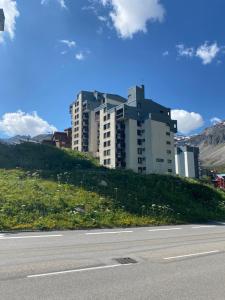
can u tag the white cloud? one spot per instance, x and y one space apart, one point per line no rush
61 2
207 52
70 44
187 121
21 123
184 51
165 53
130 17
215 120
80 56
102 18
11 13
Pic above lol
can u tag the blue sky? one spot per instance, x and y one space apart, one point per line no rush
52 49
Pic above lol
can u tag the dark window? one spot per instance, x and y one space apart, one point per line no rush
169 161
168 133
160 160
168 143
140 170
138 132
107 162
139 150
170 170
168 152
107 152
107 134
140 160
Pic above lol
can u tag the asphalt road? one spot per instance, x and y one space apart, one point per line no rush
171 262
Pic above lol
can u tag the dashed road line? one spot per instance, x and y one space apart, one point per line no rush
164 229
108 232
191 255
204 226
29 236
77 270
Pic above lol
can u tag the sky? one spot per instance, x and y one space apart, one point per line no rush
52 49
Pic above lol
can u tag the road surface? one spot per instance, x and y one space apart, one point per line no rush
169 262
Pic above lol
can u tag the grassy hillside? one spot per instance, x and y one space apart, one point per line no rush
42 187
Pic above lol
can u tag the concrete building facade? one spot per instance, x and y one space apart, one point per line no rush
187 161
2 20
134 133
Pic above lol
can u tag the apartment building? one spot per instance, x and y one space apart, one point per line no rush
2 20
133 133
187 161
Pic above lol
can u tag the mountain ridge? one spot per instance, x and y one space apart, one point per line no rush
211 143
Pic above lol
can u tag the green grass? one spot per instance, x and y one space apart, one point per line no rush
42 187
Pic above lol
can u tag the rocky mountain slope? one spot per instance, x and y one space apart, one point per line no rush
211 143
18 139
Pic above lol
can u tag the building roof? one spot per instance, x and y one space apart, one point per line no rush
221 175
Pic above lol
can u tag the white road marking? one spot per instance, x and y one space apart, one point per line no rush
77 270
193 254
203 226
108 232
165 229
29 236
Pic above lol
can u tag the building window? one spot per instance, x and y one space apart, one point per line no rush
160 160
140 160
168 133
107 126
168 143
107 144
107 162
106 134
139 123
140 170
170 170
168 151
139 132
139 151
107 152
169 161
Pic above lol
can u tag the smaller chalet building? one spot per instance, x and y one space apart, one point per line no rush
219 181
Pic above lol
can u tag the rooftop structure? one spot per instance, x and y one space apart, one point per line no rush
2 20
